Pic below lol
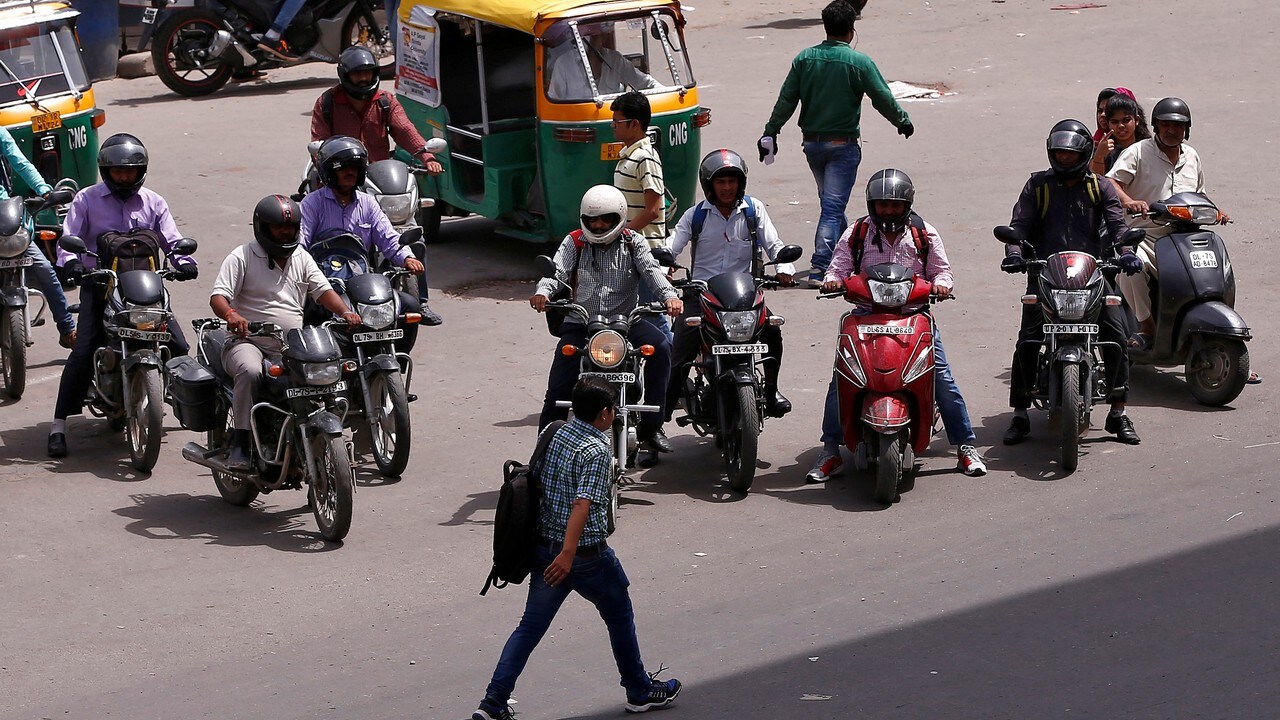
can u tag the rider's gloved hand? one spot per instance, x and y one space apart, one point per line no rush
907 130
1013 263
766 149
187 271
74 271
1130 263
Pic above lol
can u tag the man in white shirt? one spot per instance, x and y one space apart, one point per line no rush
612 71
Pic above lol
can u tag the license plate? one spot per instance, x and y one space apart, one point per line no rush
610 152
1079 329
887 329
1204 259
156 336
613 377
149 16
46 121
23 261
307 390
365 337
760 348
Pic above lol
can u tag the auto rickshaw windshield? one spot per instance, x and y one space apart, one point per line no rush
39 61
589 61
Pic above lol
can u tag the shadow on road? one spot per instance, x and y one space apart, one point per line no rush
476 502
1166 388
794 23
93 448
1191 635
530 420
251 88
210 518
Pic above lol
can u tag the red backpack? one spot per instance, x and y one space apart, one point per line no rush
862 228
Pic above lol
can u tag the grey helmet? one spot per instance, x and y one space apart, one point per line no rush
276 210
122 150
722 162
356 58
890 184
340 152
1172 109
1074 136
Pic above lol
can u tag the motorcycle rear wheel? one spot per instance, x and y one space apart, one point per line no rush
1222 367
184 33
231 488
743 444
144 425
331 486
889 468
390 435
13 353
1072 414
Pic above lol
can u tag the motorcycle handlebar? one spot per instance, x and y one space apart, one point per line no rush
213 323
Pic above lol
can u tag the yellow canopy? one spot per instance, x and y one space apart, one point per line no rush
522 15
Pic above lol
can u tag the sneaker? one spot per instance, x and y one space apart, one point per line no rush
488 712
814 280
430 317
971 462
661 694
824 467
1122 426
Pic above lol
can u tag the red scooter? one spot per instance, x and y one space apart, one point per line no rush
884 373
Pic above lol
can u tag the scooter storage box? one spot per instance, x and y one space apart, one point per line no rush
194 392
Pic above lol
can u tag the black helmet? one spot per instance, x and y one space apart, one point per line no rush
339 152
276 210
722 162
1172 109
1074 136
890 184
118 151
356 58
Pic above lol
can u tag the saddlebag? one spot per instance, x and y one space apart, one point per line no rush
193 393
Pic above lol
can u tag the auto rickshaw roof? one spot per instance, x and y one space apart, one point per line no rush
525 15
17 13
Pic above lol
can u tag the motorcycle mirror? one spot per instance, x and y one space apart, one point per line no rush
73 244
68 183
666 30
1008 235
789 253
663 256
410 236
1131 237
545 266
60 196
435 146
313 149
185 246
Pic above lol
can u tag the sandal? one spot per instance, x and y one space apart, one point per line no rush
1253 379
1139 341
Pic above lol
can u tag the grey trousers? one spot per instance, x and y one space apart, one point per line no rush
242 359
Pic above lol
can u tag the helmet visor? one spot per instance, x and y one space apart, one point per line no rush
1068 140
604 222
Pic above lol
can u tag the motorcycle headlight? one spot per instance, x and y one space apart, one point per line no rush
325 373
889 294
607 348
739 324
143 318
1070 304
11 246
377 316
399 208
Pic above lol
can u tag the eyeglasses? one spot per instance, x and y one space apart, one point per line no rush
616 123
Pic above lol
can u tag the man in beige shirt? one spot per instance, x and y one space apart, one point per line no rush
268 282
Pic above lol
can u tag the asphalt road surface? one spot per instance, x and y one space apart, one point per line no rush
1141 586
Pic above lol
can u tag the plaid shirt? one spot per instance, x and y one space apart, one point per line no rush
609 276
576 467
903 252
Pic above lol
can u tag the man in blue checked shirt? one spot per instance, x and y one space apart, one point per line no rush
572 555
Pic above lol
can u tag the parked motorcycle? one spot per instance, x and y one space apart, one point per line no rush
197 50
884 373
1193 303
724 397
16 319
296 423
380 399
609 355
128 377
1071 371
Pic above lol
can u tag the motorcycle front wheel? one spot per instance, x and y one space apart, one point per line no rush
13 353
331 486
1217 371
179 53
231 488
889 468
144 424
389 423
1072 415
743 443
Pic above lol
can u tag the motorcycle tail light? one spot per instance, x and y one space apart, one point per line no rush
48 235
275 370
647 350
98 118
568 351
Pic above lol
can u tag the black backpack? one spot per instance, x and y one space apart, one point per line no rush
515 526
137 249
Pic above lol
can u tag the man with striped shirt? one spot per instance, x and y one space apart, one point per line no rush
638 173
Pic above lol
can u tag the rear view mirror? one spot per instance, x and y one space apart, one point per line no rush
663 256
410 236
435 146
60 196
72 244
1131 237
789 253
185 246
545 266
1008 235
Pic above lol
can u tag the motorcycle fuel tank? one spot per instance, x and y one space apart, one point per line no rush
141 287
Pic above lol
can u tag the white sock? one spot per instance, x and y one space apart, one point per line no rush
1117 413
271 35
58 426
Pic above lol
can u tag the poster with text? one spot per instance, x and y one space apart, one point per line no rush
417 58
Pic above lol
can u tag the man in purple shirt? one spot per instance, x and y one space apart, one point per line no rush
117 204
339 205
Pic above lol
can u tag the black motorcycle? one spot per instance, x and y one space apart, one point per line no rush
1071 372
197 50
725 397
128 372
296 423
1193 303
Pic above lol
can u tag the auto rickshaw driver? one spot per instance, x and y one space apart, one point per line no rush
612 71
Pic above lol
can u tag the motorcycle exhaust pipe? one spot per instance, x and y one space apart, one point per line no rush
206 458
221 41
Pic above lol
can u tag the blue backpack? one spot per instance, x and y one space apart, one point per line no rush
753 227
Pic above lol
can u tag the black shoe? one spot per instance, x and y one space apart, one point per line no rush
430 317
240 458
776 404
57 445
1122 426
657 440
1019 429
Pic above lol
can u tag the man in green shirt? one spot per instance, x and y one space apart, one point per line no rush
828 81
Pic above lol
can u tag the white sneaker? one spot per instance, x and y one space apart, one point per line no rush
971 462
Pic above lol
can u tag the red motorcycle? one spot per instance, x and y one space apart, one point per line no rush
884 373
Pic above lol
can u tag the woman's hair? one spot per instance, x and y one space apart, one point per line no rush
1123 104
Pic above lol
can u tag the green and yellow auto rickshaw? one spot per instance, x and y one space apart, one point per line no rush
520 90
46 99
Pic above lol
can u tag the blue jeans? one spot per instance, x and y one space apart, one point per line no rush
285 16
47 279
603 583
955 414
835 168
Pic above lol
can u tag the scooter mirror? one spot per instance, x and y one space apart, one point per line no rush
663 256
1008 235
410 236
789 253
72 244
545 266
435 146
1131 237
185 246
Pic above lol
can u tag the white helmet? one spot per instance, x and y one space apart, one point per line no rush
603 201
